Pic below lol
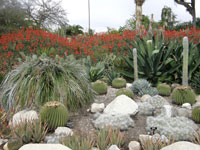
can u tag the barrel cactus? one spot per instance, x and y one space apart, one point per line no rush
126 92
54 114
196 114
183 94
14 144
100 87
119 83
164 89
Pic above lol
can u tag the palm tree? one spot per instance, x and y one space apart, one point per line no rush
139 4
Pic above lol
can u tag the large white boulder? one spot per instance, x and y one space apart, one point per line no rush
122 105
182 145
22 116
97 107
44 147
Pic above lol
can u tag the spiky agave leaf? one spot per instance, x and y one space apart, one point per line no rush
42 79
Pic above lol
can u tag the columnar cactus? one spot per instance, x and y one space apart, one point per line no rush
185 61
135 64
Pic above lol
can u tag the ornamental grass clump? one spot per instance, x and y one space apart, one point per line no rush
183 94
42 79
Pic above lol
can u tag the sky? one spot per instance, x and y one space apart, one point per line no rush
114 13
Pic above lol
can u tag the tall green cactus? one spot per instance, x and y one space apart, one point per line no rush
185 61
135 64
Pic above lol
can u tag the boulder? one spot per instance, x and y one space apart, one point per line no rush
184 112
182 145
117 121
134 145
122 105
187 105
168 111
22 116
144 138
63 131
5 147
178 128
145 97
44 147
52 139
97 107
128 85
113 147
157 101
145 108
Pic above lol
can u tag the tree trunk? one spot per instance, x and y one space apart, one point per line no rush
138 16
193 14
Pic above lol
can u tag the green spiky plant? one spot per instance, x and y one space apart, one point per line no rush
164 89
196 114
100 87
183 94
119 83
42 79
54 114
126 92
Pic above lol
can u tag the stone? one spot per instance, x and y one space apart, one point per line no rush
184 112
145 97
134 145
63 131
157 101
145 108
182 145
197 104
187 105
97 107
52 139
2 141
128 85
178 128
198 98
44 147
24 115
122 105
117 121
113 147
168 111
174 85
5 147
144 138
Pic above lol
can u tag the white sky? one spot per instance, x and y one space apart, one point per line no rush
114 13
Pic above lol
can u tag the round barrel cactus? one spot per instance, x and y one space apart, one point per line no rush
183 94
54 114
100 87
164 89
126 92
119 83
196 114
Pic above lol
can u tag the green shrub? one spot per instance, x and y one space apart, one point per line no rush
126 92
100 87
183 94
119 83
196 114
14 144
164 89
141 87
42 79
54 114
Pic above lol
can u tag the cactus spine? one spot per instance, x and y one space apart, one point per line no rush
135 64
185 61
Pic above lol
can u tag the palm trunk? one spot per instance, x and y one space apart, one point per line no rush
193 14
138 16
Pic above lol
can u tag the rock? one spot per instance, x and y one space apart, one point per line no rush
198 98
24 115
145 108
182 145
44 147
145 97
113 147
134 145
168 111
52 139
144 138
63 131
118 120
5 147
174 85
97 107
128 85
157 101
178 128
187 105
184 112
196 105
2 141
122 105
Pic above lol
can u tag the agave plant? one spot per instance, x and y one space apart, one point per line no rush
42 79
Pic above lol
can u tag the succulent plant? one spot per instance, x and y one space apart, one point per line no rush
119 83
141 87
183 94
185 61
100 87
54 114
164 89
196 114
14 144
126 92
